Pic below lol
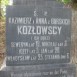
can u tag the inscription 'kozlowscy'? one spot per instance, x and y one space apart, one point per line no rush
38 30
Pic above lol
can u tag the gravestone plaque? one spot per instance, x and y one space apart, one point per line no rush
42 71
37 35
50 3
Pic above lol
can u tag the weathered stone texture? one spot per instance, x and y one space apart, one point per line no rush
73 39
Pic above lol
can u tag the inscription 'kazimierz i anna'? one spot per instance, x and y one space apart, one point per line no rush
28 20
38 30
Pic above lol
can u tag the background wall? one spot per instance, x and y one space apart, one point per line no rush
74 37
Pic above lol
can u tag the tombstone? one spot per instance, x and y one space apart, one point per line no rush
64 70
38 40
38 35
50 3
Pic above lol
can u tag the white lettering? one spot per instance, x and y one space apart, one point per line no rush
42 30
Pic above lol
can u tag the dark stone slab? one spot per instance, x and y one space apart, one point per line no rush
42 71
38 35
5 74
51 3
